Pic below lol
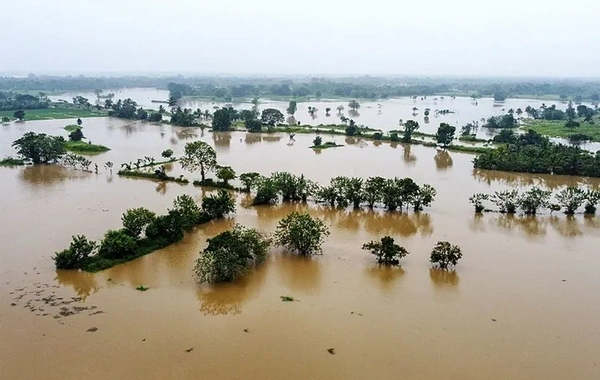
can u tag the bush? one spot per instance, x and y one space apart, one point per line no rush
317 141
76 135
217 206
166 229
444 254
394 137
250 180
188 211
167 153
351 130
253 125
267 193
135 220
117 244
230 254
387 252
301 233
76 255
477 201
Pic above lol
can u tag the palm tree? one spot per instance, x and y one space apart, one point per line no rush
519 112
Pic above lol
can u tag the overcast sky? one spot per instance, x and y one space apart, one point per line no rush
420 37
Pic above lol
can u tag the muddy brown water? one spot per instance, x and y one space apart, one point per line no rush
523 303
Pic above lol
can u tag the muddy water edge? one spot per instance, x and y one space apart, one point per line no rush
522 304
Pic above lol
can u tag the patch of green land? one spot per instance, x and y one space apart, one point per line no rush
72 127
9 161
556 128
55 113
85 148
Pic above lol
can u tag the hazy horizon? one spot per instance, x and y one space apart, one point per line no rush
431 38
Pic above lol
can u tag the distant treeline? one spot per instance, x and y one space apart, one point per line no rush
357 87
13 101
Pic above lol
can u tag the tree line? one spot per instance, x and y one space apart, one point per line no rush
535 199
10 100
534 153
143 232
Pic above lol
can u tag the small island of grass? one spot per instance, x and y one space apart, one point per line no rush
327 145
9 161
81 147
72 127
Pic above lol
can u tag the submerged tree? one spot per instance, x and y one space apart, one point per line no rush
445 134
534 199
292 108
409 127
199 155
250 180
592 198
301 233
445 254
136 220
40 148
76 255
386 251
507 200
571 199
230 255
477 201
216 206
272 116
225 173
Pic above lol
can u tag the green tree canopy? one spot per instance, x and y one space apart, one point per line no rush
199 155
40 148
301 233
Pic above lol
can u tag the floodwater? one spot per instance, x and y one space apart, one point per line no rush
522 304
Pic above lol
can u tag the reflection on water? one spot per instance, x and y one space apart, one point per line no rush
83 283
443 160
408 157
43 175
530 225
549 181
222 139
476 224
384 276
300 274
444 280
186 133
228 298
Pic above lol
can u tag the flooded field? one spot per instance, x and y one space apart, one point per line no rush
525 292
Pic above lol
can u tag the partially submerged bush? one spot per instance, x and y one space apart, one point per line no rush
445 254
386 251
76 255
117 244
230 255
135 221
217 206
301 233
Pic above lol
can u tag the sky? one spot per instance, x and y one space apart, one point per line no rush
546 38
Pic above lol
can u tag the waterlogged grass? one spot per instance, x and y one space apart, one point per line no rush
81 147
9 161
287 299
556 128
326 145
152 176
72 127
55 113
142 288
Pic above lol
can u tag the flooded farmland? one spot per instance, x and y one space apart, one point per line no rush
525 292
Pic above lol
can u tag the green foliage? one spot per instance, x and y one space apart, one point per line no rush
409 127
351 130
353 105
84 148
445 254
423 197
534 199
142 288
372 190
135 221
225 173
477 201
76 135
267 192
504 122
20 115
199 155
72 127
292 108
167 153
167 229
317 141
301 233
183 117
286 299
386 251
253 125
230 254
188 211
117 244
592 198
10 161
76 255
445 134
507 200
571 199
40 148
506 136
217 206
272 116
222 119
5 119
155 117
250 180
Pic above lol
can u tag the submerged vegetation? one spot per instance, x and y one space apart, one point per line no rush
531 201
386 251
143 232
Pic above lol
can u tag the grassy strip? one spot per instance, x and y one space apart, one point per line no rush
472 138
72 127
556 128
55 113
85 148
160 163
152 176
327 145
209 182
9 161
